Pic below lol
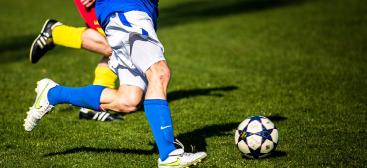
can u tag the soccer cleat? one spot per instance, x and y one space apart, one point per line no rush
89 114
179 159
41 105
43 42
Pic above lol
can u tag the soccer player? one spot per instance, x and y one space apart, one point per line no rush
91 38
138 60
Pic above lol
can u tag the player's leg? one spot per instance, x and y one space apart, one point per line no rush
134 57
55 33
81 37
159 117
105 77
87 12
126 99
148 57
96 97
74 37
93 41
158 76
155 104
131 89
157 110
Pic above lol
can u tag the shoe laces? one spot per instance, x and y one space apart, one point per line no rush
177 142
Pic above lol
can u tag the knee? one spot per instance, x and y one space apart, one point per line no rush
166 75
163 76
107 51
159 73
129 103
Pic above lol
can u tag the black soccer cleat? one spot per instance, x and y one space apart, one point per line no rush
89 114
43 42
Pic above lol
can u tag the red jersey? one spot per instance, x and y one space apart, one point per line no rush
88 15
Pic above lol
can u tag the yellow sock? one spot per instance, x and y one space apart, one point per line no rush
68 36
104 77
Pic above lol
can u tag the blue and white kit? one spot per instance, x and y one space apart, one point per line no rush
130 27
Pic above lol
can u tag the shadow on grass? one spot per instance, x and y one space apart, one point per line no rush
195 11
16 48
196 138
101 150
277 154
274 154
180 94
276 117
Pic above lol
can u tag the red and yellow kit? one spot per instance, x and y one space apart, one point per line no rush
70 36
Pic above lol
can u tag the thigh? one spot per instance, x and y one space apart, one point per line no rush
145 53
131 77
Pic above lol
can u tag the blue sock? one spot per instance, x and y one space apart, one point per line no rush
160 121
88 96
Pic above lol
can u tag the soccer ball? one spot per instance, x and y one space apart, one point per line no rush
256 137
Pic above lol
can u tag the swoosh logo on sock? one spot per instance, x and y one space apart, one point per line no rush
162 128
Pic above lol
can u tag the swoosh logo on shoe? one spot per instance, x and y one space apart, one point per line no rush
162 128
39 98
176 163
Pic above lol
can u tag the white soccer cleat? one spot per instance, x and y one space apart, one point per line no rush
179 159
41 105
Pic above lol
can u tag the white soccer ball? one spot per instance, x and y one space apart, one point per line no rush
256 137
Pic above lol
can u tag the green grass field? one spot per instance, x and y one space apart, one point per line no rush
302 63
